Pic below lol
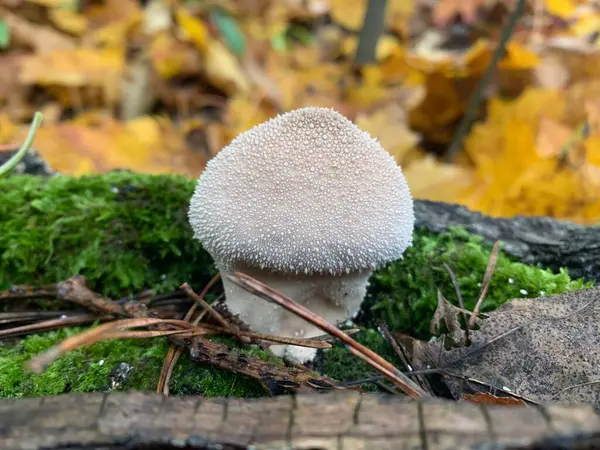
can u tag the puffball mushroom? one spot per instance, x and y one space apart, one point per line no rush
308 204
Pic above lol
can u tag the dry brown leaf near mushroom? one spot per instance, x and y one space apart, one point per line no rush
309 204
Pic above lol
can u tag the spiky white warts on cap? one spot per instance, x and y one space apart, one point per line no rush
305 192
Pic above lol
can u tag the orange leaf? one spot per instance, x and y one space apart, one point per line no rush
94 143
485 398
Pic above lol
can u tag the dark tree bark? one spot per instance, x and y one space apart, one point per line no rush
550 242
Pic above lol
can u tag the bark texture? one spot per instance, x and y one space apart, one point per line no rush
550 242
339 420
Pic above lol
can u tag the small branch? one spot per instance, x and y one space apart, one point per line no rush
174 353
460 301
51 324
200 300
102 332
487 278
301 342
14 160
372 29
474 101
72 290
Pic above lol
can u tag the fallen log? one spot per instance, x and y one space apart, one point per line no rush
339 420
552 243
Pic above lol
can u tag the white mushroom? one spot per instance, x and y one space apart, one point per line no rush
308 204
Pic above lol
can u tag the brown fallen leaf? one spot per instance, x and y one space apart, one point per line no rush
81 67
43 39
543 349
448 313
485 398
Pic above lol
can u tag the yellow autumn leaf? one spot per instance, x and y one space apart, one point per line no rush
389 126
552 137
592 147
519 166
49 3
477 58
585 25
443 105
170 56
385 47
432 180
68 21
113 35
368 90
560 8
79 67
8 130
244 112
350 14
95 143
223 69
518 57
193 29
82 67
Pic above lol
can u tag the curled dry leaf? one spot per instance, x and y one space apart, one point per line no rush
544 349
448 313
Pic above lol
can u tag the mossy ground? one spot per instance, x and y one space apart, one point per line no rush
128 232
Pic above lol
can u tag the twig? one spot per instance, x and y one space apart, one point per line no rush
105 331
387 334
199 299
487 278
166 380
477 96
460 302
14 160
28 316
402 355
574 386
51 324
73 290
171 357
174 353
329 338
262 290
373 27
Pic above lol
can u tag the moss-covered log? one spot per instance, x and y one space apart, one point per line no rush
128 232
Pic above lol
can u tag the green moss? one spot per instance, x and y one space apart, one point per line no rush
404 294
127 232
124 232
340 364
98 368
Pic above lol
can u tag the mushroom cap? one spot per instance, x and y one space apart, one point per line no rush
304 192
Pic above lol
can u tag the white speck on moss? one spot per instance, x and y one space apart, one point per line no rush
511 281
523 292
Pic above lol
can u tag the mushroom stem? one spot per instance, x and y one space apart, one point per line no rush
333 297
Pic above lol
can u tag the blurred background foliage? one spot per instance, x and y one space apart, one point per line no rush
160 86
